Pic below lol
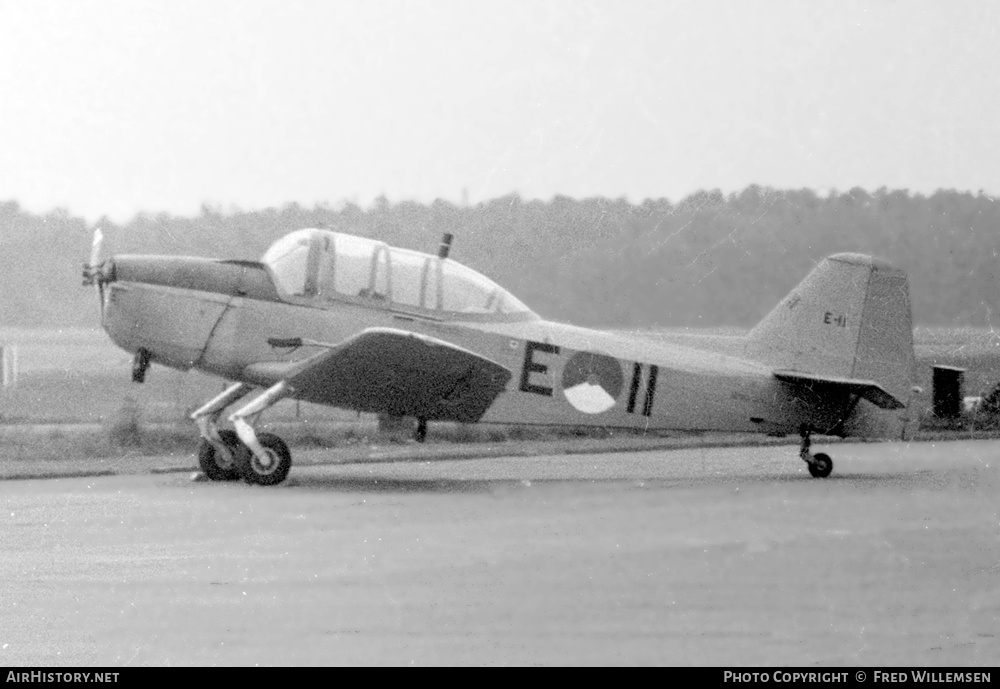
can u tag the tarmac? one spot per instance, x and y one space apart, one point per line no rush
134 462
439 555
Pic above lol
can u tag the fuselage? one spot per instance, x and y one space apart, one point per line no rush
217 317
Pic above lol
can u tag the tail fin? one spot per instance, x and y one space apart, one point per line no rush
850 318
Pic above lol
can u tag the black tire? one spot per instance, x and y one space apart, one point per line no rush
821 466
213 464
253 471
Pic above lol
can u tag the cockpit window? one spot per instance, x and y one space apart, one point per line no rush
351 260
381 275
289 260
408 268
330 266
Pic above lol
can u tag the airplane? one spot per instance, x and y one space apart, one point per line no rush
337 319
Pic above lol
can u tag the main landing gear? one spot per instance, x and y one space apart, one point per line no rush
226 455
820 464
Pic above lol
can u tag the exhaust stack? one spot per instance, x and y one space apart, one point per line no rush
445 245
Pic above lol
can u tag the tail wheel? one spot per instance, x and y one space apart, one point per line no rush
220 466
821 465
268 471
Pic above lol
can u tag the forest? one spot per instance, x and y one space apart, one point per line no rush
707 260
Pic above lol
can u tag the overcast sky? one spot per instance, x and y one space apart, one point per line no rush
112 108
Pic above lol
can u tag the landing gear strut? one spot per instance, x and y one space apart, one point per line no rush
820 464
225 455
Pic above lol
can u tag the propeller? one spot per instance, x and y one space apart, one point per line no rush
94 273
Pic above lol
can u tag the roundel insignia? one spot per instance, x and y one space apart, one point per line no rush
592 382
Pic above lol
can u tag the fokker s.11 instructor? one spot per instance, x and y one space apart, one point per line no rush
342 320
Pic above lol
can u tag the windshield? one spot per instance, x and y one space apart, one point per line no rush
330 266
289 258
466 291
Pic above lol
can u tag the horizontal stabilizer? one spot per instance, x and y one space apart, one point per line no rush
868 389
395 372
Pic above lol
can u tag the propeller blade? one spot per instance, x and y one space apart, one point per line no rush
93 272
96 248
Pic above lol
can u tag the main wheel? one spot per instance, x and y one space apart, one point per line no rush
821 466
270 472
219 466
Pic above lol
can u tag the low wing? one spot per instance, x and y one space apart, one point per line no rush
395 372
868 389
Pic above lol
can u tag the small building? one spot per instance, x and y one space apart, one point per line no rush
948 398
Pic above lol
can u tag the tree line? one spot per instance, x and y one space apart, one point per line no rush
709 259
